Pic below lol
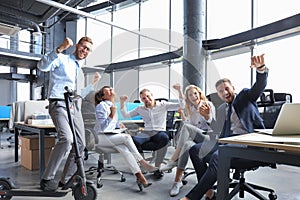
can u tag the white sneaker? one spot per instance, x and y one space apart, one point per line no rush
170 165
175 189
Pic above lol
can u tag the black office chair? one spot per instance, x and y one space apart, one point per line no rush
172 127
270 104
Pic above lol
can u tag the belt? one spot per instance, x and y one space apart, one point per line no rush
53 99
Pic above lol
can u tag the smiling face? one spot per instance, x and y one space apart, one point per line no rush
108 93
226 91
193 96
147 98
83 49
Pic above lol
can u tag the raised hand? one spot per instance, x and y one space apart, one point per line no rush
66 44
97 77
177 87
258 62
204 110
123 98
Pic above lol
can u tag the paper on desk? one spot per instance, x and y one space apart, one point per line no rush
115 131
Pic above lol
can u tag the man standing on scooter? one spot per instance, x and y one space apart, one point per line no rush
64 71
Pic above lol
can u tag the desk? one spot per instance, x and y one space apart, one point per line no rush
284 154
41 130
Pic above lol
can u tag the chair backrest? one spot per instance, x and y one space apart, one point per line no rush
170 120
215 99
89 119
271 104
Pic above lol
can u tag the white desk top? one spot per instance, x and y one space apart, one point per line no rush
289 143
35 126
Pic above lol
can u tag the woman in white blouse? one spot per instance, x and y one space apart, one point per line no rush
107 120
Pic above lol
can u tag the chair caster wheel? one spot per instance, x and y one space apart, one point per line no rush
272 196
123 179
99 185
184 182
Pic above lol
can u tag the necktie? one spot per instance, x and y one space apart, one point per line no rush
227 124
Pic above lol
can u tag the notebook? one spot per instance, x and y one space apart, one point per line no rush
116 131
287 122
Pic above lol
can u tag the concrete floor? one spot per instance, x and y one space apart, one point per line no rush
284 180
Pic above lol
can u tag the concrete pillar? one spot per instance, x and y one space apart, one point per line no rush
193 62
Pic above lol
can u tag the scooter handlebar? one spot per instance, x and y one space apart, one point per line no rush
69 91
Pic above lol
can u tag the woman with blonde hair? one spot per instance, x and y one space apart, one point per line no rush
200 112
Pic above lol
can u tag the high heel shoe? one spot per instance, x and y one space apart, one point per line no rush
142 185
153 170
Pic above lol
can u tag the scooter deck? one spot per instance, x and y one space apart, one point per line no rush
37 192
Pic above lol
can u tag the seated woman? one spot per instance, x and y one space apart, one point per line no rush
107 120
200 113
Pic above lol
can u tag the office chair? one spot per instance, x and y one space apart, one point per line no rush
104 154
239 184
270 104
172 127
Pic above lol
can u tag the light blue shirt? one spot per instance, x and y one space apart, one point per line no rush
104 122
64 70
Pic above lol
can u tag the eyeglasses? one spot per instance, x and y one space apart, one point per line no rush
85 47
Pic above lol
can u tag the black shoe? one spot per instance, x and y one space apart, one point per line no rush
60 184
63 186
48 185
158 174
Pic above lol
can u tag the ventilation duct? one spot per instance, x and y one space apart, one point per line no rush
10 30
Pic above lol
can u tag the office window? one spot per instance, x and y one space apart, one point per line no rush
100 33
282 57
156 26
155 15
236 68
156 80
177 17
225 18
5 41
125 43
24 41
175 77
126 83
280 10
4 69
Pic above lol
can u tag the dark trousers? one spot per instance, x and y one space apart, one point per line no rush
206 170
153 143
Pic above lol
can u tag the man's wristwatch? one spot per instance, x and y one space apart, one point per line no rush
58 50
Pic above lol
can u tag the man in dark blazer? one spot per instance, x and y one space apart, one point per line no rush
243 118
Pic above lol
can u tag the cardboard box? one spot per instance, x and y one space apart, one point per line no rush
30 151
31 142
30 158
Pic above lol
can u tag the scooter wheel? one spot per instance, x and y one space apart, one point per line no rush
91 192
4 185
